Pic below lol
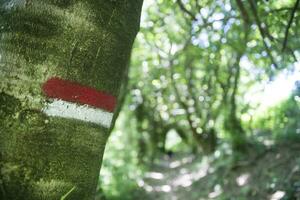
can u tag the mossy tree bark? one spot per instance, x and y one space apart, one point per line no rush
86 41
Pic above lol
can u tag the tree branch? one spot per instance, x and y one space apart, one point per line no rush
183 104
243 11
289 25
183 8
281 9
262 32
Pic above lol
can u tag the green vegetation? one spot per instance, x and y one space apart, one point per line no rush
282 120
192 106
194 119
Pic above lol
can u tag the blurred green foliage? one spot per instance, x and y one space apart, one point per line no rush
194 66
120 170
282 120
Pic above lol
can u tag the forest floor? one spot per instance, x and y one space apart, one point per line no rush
271 173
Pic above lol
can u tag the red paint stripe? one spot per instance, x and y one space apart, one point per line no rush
74 92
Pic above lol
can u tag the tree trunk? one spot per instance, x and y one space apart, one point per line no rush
233 122
55 56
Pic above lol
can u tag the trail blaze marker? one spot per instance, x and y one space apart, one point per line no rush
75 101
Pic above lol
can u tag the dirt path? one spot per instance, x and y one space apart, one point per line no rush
274 175
170 175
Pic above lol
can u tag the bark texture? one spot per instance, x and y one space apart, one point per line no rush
87 41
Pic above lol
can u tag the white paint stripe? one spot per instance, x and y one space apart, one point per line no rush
60 108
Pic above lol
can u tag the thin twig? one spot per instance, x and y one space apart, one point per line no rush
281 9
68 193
184 9
289 25
262 32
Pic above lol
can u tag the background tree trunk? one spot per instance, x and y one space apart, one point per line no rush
87 42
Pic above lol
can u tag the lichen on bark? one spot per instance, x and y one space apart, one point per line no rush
88 42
